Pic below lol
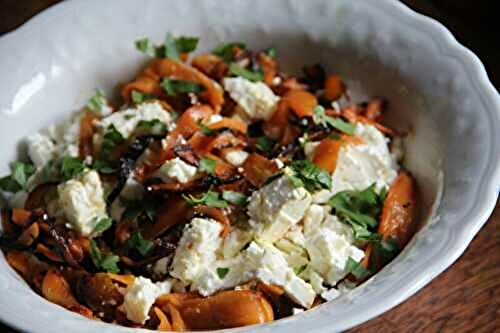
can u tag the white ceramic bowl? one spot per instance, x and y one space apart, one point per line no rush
437 89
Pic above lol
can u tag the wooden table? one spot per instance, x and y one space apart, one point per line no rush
465 298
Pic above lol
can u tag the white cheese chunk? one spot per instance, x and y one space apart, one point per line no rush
41 149
196 249
329 252
235 241
126 121
276 207
236 157
255 98
215 118
82 200
361 165
161 266
177 170
330 294
310 148
141 295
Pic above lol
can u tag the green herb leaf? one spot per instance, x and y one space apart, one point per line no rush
236 198
146 46
102 225
112 138
208 165
98 101
103 261
299 269
138 97
173 87
171 50
103 166
356 269
8 184
222 272
154 127
205 129
383 193
142 245
210 199
311 175
225 51
186 44
320 118
360 209
21 172
265 144
71 167
236 70
144 209
271 52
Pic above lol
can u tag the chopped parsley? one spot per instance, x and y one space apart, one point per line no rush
309 175
356 269
153 127
236 198
225 51
237 70
320 118
208 165
173 87
106 262
18 178
139 97
222 272
265 144
271 52
299 269
360 209
102 225
209 198
136 241
172 48
104 166
98 101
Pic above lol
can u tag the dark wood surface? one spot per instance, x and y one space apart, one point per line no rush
466 297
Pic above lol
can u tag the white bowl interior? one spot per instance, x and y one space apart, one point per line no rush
381 49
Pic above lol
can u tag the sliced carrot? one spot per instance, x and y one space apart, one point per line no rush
398 214
207 63
326 154
257 169
224 140
301 102
176 299
164 324
226 309
20 261
269 67
29 235
334 88
173 212
199 142
21 217
56 289
126 279
350 113
87 129
177 70
230 123
45 251
143 84
178 324
276 125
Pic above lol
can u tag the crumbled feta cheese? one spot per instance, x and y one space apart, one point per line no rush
279 163
177 170
276 207
361 165
272 268
310 148
235 241
82 200
330 294
255 98
141 295
126 121
236 157
55 141
297 311
313 218
214 119
329 252
161 266
41 149
196 249
316 282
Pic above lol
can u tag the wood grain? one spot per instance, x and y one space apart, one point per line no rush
465 298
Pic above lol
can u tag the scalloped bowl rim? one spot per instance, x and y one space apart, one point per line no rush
477 214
